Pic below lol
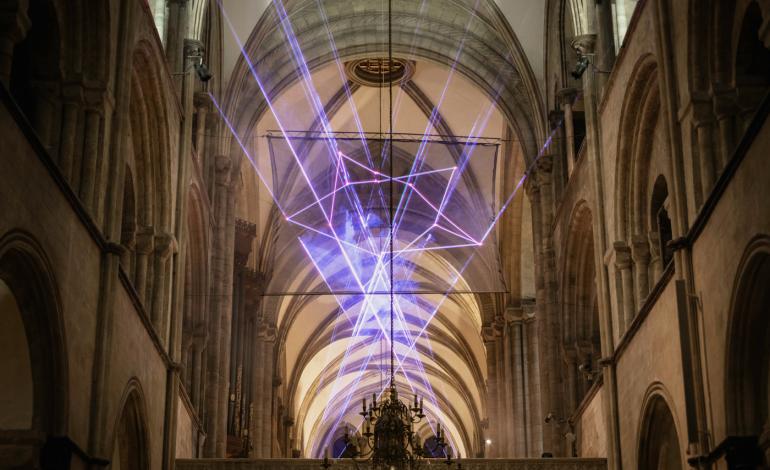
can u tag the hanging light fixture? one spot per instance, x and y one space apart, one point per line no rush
388 440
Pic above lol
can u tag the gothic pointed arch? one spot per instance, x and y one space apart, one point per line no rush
659 443
36 406
747 375
130 444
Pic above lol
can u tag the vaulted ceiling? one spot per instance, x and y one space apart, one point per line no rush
476 72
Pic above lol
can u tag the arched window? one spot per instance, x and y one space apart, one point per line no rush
35 70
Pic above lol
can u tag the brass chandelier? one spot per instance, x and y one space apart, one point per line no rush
388 440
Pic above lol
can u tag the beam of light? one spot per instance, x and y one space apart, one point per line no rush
375 281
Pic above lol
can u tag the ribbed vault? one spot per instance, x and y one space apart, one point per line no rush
467 82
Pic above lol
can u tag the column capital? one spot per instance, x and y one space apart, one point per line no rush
640 249
725 100
202 100
192 47
222 165
165 244
584 44
555 118
654 241
618 254
490 333
145 240
566 96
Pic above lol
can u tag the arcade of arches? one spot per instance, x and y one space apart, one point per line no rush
592 293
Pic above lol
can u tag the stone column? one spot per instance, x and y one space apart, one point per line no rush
225 307
199 339
145 242
703 120
518 415
257 396
176 34
547 301
72 101
510 380
566 97
493 411
92 131
165 246
656 257
725 111
202 103
267 393
215 374
532 388
640 253
570 366
14 24
623 265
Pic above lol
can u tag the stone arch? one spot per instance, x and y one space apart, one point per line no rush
149 159
747 376
130 444
34 84
639 117
581 342
30 294
195 321
496 76
659 444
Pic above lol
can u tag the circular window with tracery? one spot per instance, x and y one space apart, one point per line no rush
380 71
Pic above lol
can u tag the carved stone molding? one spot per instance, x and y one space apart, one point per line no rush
584 44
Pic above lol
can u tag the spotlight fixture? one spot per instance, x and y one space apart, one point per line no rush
202 71
194 54
580 67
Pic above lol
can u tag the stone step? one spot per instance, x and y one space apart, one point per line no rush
468 464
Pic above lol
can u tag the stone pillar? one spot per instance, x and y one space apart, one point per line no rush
566 98
493 412
72 97
509 382
227 222
267 393
258 378
518 414
725 111
92 131
533 390
605 50
177 23
703 120
570 367
623 265
640 253
145 242
202 103
215 387
199 339
14 25
656 257
165 245
547 302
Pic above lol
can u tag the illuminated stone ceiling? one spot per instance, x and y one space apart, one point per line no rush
328 260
